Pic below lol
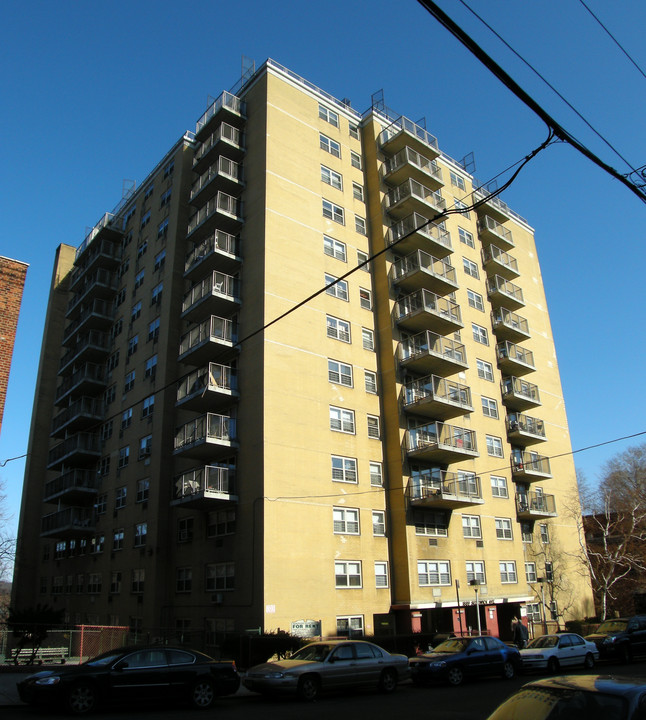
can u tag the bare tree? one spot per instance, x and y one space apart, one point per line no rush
7 541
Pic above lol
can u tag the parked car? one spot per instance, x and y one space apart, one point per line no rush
328 665
621 638
554 651
461 657
133 674
592 697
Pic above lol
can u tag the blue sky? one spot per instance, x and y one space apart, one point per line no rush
95 93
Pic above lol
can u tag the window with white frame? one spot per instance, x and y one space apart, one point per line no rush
117 539
185 527
530 572
373 427
162 228
475 300
362 258
527 532
470 268
334 248
328 115
141 533
466 237
355 159
508 572
480 334
145 220
120 497
357 191
544 533
126 418
148 406
381 574
133 343
459 205
153 329
489 407
143 490
476 571
378 522
184 580
499 486
376 474
331 177
124 456
344 469
160 260
329 145
503 529
339 373
338 329
433 572
494 446
431 523
165 197
136 311
370 381
346 521
221 522
151 367
360 225
156 293
365 298
349 625
368 339
342 420
457 180
354 131
471 526
485 370
145 446
336 288
534 612
549 572
333 212
220 576
347 573
115 582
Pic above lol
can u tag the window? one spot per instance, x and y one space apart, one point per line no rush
376 477
145 220
370 381
329 145
130 214
471 526
368 339
503 529
362 259
124 456
141 249
139 279
480 334
355 160
334 248
545 533
381 574
354 131
365 299
476 571
165 197
357 192
344 469
459 205
489 407
328 115
106 430
336 288
347 574
346 521
156 294
120 297
457 180
120 497
508 572
130 381
339 372
113 361
530 572
151 367
466 237
141 531
117 540
185 529
116 329
102 504
126 418
133 342
220 576
475 300
341 420
430 523
168 170
160 260
549 572
221 522
145 446
153 329
470 268
143 490
110 394
338 329
373 427
534 612
124 267
378 522
136 311
499 486
485 370
148 406
138 579
115 582
184 580
333 212
494 446
330 177
433 572
94 583
360 225
527 532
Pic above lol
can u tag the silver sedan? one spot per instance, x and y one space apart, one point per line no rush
556 651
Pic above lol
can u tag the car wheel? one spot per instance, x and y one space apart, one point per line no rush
455 676
388 681
203 694
552 665
81 698
309 687
588 662
508 671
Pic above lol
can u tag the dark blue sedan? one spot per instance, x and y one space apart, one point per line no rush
457 658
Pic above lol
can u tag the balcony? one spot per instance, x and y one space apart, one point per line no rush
206 437
204 487
440 443
529 466
502 292
226 108
226 140
518 394
213 339
88 348
87 380
437 488
220 251
524 430
424 310
413 197
79 450
436 397
100 284
416 232
421 270
492 231
213 387
535 506
98 315
71 522
405 133
222 212
514 358
75 487
498 262
408 163
102 254
109 228
80 415
493 206
215 294
509 326
428 353
224 175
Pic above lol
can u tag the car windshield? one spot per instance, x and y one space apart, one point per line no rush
317 653
451 646
612 626
540 703
546 641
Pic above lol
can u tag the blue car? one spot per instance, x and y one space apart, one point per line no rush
458 658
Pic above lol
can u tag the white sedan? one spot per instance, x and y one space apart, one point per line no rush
556 651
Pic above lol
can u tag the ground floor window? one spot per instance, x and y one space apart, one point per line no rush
349 625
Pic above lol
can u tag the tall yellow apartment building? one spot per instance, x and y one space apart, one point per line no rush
279 390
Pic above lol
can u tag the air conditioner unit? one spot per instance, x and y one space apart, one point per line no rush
184 535
217 598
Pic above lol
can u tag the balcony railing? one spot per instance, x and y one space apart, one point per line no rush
227 133
90 375
419 269
519 394
224 246
98 313
523 429
416 232
83 446
85 409
535 505
413 191
514 356
94 342
203 484
206 385
530 464
495 203
488 228
79 483
437 396
501 290
508 323
221 205
224 168
441 442
69 522
101 282
212 330
439 488
109 222
405 132
226 101
215 285
428 350
409 162
423 308
209 428
505 264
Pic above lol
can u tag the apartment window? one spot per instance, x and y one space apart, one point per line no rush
457 180
136 311
338 329
365 299
153 329
138 580
499 486
113 361
489 407
101 504
347 574
120 497
370 379
329 145
124 456
130 381
145 220
168 170
346 521
470 268
160 260
475 300
508 572
376 476
130 214
360 225
355 160
530 572
362 259
534 612
141 249
184 580
503 529
373 427
117 539
110 394
494 446
139 279
527 532
357 192
115 582
334 248
336 288
165 197
133 342
459 205
466 237
549 572
116 329
381 574
145 446
433 572
141 531
330 177
349 625
156 294
127 238
143 490
106 431
471 526
476 571
368 339
430 523
221 522
94 583
185 529
220 576
378 522
480 334
339 373
124 267
341 420
328 115
120 297
544 533
333 212
98 542
151 367
354 131
485 370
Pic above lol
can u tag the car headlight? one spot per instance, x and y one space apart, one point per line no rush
274 675
438 665
51 680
